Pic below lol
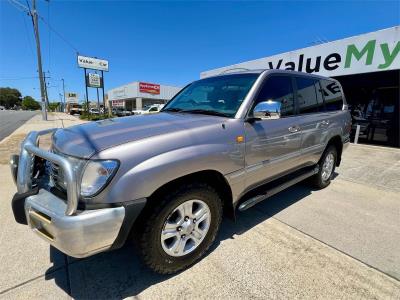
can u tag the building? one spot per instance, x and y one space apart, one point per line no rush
136 95
367 66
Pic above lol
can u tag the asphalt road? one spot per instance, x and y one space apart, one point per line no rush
11 120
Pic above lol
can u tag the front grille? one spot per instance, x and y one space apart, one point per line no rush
56 175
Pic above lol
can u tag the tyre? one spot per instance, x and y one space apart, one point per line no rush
180 229
327 166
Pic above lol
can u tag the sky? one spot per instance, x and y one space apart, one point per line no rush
168 42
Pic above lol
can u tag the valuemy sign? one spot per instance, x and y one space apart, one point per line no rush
92 63
371 52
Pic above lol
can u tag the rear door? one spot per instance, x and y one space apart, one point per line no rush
314 120
273 145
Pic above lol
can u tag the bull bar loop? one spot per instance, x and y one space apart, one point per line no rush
29 148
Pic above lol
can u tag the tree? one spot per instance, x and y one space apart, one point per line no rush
29 103
53 106
9 97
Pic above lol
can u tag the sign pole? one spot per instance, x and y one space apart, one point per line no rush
87 97
104 100
98 101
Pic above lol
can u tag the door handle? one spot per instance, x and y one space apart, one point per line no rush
294 129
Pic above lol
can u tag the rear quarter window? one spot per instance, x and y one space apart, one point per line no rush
332 94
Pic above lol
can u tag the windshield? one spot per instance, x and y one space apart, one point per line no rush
220 95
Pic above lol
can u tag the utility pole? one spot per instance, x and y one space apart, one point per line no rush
45 89
39 59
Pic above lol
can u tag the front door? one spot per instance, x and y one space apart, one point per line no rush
273 143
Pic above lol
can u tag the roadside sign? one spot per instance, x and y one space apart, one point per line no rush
149 88
94 80
71 97
118 103
92 63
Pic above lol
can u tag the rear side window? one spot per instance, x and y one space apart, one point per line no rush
307 96
280 89
332 95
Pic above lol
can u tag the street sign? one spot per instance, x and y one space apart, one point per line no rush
94 80
92 63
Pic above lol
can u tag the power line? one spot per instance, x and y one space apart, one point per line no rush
28 37
18 78
49 45
59 34
27 10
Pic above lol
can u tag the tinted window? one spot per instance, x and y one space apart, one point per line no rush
320 97
220 94
307 96
332 95
278 88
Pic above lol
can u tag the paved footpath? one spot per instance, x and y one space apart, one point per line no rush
259 256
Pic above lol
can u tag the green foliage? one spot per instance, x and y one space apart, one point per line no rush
29 103
85 116
54 106
9 97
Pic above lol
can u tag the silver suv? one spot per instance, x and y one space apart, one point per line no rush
220 145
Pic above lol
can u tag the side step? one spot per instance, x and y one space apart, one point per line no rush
270 192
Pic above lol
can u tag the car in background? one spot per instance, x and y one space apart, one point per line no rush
150 109
94 111
121 112
2 108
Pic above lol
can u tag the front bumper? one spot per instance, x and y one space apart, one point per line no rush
78 233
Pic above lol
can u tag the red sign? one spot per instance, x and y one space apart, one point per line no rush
118 103
149 88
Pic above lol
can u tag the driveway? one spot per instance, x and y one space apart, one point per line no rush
340 242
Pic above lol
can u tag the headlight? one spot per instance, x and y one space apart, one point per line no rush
96 175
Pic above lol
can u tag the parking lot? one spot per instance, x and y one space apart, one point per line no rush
340 242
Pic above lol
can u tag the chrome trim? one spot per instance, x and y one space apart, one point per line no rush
29 148
14 159
84 234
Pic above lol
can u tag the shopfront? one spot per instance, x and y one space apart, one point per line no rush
137 95
367 66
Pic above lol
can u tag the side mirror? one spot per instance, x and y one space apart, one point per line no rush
267 110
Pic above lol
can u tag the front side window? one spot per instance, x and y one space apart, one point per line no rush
332 95
220 95
278 89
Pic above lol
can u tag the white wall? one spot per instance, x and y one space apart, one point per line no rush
131 90
333 56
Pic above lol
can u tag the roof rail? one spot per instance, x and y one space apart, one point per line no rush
234 69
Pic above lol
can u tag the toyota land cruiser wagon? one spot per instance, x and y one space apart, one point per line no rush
221 145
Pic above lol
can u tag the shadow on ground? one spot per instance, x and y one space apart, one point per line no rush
119 274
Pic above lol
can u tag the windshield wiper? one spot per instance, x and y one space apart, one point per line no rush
173 109
206 112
